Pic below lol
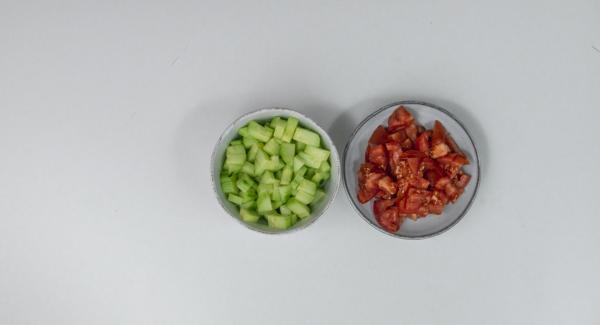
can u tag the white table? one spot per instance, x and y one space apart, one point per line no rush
111 110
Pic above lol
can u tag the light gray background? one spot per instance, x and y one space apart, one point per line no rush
110 110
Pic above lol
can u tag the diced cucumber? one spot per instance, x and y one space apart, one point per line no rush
278 221
294 219
235 142
307 137
317 153
309 160
243 131
248 168
267 178
307 186
235 199
276 194
301 210
276 204
318 177
278 125
271 147
264 188
263 204
235 149
259 132
249 141
261 163
300 146
319 195
284 210
249 215
303 197
290 129
249 205
287 151
227 184
284 192
298 163
252 152
310 173
325 167
286 175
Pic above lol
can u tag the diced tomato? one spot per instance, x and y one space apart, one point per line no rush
441 183
410 171
419 182
463 180
377 155
406 144
402 186
422 142
364 196
387 185
411 132
400 119
379 136
439 150
451 163
390 220
439 133
381 205
398 136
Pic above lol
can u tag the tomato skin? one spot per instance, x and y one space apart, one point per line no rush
368 175
406 144
419 182
452 163
438 134
365 196
379 136
381 205
422 142
377 155
400 119
439 150
390 220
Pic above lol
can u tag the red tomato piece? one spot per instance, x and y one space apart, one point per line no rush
463 180
411 132
398 136
379 136
419 182
364 196
422 142
402 186
381 205
387 185
377 155
451 163
438 134
390 220
400 119
406 144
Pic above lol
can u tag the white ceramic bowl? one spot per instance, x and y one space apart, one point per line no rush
425 114
331 186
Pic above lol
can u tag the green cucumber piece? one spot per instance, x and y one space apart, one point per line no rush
298 163
300 146
284 192
286 175
317 153
248 168
263 204
278 126
325 167
278 221
259 132
287 152
235 142
319 195
267 178
290 129
249 141
235 199
294 219
301 210
243 131
271 147
228 184
307 186
307 137
249 215
264 188
309 160
261 163
253 151
303 197
284 210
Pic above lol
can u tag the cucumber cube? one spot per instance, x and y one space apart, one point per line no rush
249 215
286 175
307 186
317 153
287 151
290 129
271 147
259 132
303 197
309 160
235 199
307 137
263 204
278 221
298 163
301 210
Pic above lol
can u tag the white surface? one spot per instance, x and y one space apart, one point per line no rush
110 110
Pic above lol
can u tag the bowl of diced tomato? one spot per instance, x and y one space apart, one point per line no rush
411 169
275 170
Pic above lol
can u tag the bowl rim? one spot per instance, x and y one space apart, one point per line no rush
372 115
334 157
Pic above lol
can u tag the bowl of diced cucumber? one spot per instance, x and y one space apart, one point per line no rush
275 170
